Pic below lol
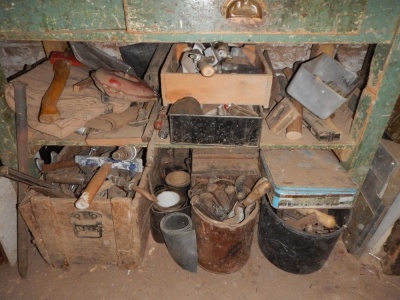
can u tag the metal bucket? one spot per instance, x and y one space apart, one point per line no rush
223 248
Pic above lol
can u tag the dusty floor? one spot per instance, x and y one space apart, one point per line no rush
342 277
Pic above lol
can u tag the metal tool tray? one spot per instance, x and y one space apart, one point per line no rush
307 178
216 130
322 85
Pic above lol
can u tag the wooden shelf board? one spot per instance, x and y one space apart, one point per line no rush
39 138
342 118
126 135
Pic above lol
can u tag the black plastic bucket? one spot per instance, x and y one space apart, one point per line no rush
293 250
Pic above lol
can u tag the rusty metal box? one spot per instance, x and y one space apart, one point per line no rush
216 130
307 178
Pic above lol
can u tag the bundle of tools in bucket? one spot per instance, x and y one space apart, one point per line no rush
309 220
226 200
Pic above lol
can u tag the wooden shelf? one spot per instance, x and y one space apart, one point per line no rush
270 140
123 136
342 118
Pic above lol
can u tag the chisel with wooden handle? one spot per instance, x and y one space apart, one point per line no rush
93 186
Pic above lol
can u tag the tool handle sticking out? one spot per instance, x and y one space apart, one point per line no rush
93 187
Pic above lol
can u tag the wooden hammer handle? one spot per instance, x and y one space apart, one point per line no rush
48 110
93 186
327 220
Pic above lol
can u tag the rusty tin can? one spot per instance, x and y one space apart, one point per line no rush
222 247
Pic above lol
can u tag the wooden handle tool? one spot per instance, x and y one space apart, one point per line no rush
48 110
93 186
260 188
327 220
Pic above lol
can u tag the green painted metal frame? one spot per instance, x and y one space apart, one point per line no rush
308 21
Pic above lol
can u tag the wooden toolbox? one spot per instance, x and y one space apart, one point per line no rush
227 163
110 231
242 89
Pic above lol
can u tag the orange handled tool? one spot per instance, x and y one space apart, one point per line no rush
62 61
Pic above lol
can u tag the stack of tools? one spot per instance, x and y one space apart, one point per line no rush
225 200
211 72
313 91
84 172
309 220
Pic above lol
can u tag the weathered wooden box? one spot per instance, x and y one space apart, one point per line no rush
111 231
242 89
226 163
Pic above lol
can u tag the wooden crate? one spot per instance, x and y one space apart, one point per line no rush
124 223
225 163
242 89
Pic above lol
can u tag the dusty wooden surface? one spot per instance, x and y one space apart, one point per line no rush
47 221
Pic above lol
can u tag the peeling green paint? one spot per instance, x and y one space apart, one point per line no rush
376 106
308 21
8 149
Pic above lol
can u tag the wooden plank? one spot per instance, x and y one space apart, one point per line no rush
47 221
50 46
142 208
124 218
125 135
25 208
86 250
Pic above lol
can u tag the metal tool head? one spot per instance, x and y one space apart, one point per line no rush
96 58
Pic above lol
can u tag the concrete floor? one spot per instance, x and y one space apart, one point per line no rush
342 277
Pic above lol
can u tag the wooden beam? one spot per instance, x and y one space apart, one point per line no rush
50 46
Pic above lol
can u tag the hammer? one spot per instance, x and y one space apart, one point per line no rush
62 62
106 164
